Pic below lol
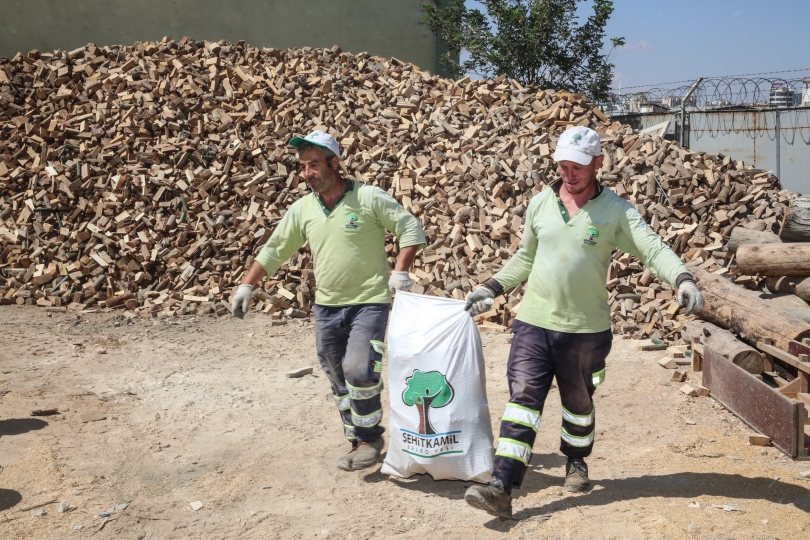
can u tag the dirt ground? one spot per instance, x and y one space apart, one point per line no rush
199 409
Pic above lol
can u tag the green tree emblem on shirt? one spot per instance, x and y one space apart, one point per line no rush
351 221
592 233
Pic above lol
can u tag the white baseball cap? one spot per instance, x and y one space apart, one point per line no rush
318 138
578 144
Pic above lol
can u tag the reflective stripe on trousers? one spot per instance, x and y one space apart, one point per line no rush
518 414
513 449
358 393
342 402
367 421
573 440
348 431
578 419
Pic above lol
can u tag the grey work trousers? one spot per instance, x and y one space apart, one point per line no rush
349 341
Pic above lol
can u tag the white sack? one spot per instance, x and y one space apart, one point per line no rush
440 421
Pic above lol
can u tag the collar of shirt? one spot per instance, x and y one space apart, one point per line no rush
326 211
563 210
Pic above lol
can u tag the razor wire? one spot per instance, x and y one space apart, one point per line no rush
711 94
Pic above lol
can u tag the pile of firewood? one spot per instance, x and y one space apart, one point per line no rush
147 177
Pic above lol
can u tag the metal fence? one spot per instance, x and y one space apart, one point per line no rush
774 139
729 116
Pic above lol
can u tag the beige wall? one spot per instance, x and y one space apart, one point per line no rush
380 27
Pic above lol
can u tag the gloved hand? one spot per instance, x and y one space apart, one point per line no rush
240 303
479 301
689 296
399 281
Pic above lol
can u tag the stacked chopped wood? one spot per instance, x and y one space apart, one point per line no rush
146 177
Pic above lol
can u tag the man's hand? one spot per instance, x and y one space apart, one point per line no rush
689 296
399 281
240 303
479 301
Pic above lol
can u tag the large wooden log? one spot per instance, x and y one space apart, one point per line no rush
741 236
742 312
796 223
696 328
798 285
774 259
723 341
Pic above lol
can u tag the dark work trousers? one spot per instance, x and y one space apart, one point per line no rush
349 340
537 356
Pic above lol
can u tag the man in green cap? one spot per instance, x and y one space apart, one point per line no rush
344 222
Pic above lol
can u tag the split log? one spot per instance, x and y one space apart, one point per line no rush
723 341
742 312
796 223
798 285
774 259
742 236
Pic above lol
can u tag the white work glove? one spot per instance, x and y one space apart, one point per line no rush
399 281
240 303
689 296
479 301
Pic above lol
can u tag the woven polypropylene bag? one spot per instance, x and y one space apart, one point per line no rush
440 421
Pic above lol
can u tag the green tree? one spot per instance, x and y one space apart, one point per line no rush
535 42
426 390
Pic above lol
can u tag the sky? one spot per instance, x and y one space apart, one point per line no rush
680 40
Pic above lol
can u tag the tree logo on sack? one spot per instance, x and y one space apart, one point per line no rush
351 221
592 233
426 391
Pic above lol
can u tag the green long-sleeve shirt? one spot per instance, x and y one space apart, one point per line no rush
566 261
347 243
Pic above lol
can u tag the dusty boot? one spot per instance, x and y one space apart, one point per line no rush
362 455
345 461
576 475
491 498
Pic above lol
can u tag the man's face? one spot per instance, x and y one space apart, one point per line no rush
578 178
319 174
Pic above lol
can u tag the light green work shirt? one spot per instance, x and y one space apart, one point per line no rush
566 261
347 243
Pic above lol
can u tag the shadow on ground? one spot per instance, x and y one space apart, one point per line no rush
686 485
18 426
9 499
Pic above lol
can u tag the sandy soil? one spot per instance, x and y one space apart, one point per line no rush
199 409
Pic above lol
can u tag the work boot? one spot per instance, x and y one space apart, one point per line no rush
576 475
491 498
362 455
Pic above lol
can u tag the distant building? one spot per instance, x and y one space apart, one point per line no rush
806 92
675 101
783 96
719 103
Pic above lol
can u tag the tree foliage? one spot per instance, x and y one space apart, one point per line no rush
535 42
429 389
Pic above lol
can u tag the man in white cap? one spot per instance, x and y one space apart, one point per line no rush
562 329
344 222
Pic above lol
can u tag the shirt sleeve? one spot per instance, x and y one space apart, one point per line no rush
519 266
287 238
636 237
396 219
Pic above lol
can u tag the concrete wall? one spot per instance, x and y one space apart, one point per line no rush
380 27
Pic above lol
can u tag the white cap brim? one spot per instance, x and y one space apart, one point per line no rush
569 154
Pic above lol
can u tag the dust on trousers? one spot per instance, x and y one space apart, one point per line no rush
349 341
537 357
